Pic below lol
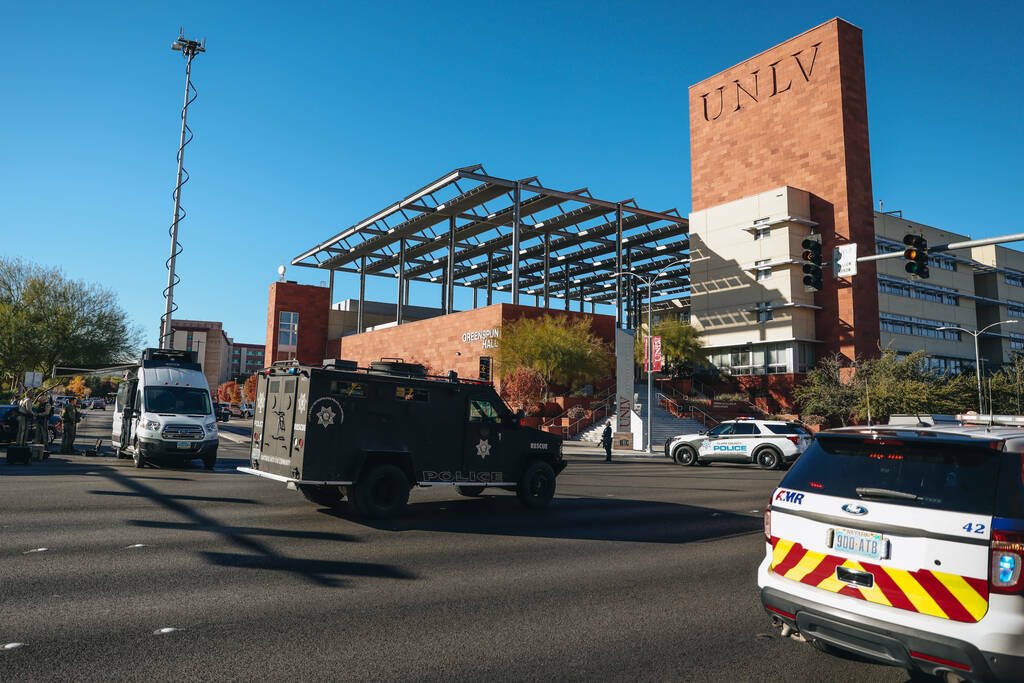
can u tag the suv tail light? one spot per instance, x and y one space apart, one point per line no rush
794 439
768 523
1006 574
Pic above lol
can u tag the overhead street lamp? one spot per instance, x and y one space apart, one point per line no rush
650 328
977 358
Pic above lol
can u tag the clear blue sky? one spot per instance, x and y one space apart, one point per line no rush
311 116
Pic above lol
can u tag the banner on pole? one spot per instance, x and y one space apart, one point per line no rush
656 356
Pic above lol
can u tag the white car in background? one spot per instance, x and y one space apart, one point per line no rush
770 443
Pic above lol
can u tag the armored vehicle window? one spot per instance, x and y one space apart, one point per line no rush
747 428
274 386
289 386
412 394
482 411
348 389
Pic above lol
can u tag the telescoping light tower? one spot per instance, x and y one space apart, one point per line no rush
189 49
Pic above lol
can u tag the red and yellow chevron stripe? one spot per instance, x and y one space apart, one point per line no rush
948 596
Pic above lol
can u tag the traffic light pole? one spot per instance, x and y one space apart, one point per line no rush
1016 237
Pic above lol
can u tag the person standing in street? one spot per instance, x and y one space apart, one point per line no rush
606 441
43 410
70 415
24 419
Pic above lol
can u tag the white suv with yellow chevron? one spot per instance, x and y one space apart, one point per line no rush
905 547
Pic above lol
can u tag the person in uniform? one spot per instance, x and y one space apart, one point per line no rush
43 410
606 441
70 416
24 419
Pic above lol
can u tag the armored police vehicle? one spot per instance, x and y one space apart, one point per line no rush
163 411
370 434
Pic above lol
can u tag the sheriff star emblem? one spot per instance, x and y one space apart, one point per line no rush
325 417
302 403
259 403
483 449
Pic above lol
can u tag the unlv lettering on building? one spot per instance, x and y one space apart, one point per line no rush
774 79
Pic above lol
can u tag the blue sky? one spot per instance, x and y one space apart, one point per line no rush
312 116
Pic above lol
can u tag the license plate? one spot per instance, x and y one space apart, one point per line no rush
861 543
184 444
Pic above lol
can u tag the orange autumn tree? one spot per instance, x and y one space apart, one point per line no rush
229 392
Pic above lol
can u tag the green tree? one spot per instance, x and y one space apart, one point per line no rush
829 390
562 350
681 348
47 319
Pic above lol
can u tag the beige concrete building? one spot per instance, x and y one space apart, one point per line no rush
747 293
999 285
212 345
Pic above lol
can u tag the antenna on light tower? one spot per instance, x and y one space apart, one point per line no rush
189 49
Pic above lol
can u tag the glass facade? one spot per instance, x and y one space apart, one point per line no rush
763 359
288 329
915 290
918 327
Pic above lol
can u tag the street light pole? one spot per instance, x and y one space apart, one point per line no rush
977 355
650 348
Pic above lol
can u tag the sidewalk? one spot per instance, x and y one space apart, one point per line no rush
582 450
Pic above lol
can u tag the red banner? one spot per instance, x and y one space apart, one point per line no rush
654 360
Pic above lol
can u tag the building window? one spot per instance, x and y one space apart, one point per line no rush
1015 280
288 329
804 357
1015 308
762 273
1016 342
765 312
762 233
915 290
918 327
764 359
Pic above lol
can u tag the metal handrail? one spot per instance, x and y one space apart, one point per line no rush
597 412
691 409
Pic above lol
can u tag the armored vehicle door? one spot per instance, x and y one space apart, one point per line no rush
482 447
276 410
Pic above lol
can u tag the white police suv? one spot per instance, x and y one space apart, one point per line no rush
769 443
904 546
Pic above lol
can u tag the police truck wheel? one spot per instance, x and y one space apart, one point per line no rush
138 457
769 459
685 455
382 492
536 487
470 491
328 496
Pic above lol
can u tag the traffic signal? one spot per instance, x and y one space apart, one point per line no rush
812 263
916 255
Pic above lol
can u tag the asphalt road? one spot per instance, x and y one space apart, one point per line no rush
638 571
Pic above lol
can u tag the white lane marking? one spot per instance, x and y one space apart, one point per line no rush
137 545
234 438
13 646
163 631
35 550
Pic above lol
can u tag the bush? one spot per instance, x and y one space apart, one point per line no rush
575 413
814 419
734 396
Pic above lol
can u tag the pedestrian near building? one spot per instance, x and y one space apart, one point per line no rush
70 415
606 441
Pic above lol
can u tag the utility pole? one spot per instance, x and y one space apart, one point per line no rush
189 49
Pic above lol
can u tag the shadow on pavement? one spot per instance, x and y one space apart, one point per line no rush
569 517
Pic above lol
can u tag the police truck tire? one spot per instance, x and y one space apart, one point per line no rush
138 457
328 496
685 455
769 459
381 492
470 491
536 487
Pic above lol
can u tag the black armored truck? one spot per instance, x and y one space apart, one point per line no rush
370 434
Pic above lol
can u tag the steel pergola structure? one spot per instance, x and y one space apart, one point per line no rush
470 229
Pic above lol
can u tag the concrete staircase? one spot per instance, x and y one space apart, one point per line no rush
664 425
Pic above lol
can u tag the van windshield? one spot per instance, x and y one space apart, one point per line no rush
180 400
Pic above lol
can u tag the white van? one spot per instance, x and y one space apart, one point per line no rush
164 411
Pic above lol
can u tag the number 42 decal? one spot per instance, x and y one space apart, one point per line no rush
973 528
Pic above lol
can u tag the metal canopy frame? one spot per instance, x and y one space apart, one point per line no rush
474 230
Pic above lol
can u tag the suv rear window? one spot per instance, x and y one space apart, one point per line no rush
934 474
786 429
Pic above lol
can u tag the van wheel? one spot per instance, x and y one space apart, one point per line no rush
685 455
769 459
209 461
470 491
137 456
381 492
328 496
536 487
